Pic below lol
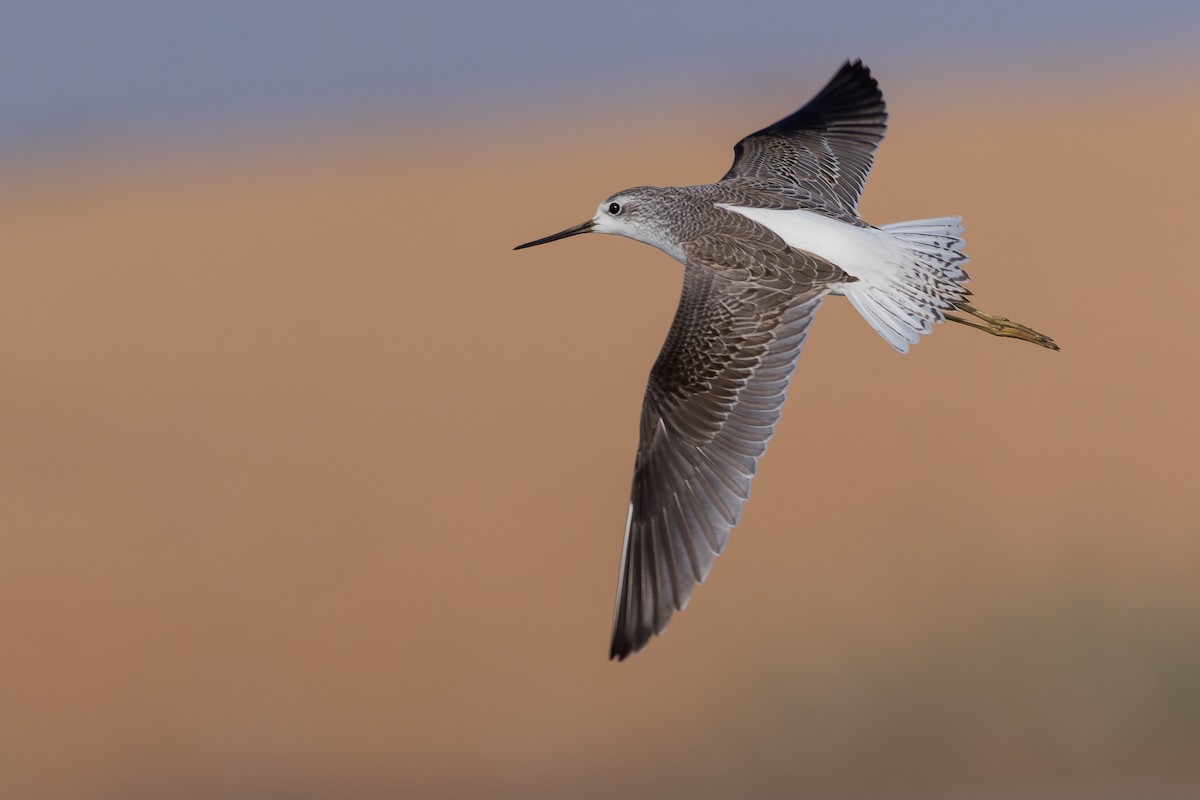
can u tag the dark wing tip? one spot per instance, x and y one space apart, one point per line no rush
631 632
831 139
621 648
651 587
855 66
627 640
851 94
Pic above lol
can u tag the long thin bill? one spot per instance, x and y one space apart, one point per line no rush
583 227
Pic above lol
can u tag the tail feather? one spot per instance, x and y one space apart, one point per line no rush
926 279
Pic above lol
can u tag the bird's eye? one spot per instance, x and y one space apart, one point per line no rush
614 208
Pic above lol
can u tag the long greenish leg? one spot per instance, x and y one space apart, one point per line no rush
1001 326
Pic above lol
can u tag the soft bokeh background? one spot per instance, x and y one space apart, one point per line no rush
310 487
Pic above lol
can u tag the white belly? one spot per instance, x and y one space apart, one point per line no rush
861 252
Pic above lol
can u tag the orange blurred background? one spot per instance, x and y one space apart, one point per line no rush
311 487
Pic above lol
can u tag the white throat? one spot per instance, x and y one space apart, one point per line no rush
646 234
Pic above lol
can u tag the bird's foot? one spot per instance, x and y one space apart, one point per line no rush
1001 326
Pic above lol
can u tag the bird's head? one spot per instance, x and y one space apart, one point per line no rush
634 213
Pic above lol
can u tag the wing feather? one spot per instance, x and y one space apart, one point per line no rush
712 402
826 148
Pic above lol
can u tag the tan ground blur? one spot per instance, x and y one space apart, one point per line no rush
310 487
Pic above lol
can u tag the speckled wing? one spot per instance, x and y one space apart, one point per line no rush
826 148
712 401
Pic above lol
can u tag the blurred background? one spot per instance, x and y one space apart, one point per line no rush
311 488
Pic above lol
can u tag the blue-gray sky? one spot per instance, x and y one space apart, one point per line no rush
77 71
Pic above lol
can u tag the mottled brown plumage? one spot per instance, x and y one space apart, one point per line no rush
762 247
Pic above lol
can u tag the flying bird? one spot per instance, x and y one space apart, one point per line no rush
762 249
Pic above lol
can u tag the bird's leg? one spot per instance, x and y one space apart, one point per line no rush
1001 326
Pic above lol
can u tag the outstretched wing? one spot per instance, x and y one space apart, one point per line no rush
826 148
712 402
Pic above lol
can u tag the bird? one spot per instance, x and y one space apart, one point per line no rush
762 249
